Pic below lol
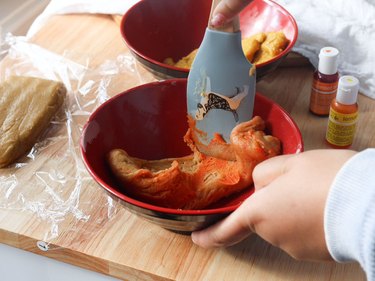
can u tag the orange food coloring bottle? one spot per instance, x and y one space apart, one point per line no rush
325 80
343 114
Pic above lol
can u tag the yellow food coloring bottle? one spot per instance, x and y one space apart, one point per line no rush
343 114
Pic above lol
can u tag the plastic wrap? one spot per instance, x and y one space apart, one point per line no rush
51 178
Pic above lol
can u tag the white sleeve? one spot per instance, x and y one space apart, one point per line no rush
349 220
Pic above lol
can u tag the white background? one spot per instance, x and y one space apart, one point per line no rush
19 265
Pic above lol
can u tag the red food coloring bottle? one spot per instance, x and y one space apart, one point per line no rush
325 81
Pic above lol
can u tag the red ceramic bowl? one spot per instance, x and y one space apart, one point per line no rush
149 122
155 30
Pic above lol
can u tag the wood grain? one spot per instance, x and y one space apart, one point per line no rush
117 19
127 247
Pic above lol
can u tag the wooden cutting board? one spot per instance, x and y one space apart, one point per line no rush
98 234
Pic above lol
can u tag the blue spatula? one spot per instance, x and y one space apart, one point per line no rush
221 84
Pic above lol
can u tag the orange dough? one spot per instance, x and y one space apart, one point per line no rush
198 180
257 48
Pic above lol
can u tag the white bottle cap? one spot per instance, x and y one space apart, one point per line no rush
328 60
347 91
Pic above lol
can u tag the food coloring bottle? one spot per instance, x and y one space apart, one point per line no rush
324 86
343 114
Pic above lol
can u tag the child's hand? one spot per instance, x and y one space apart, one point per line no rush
287 208
226 10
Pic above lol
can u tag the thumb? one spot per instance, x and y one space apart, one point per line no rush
267 171
226 10
231 230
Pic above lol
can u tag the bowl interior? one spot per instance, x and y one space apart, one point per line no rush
155 30
150 121
159 29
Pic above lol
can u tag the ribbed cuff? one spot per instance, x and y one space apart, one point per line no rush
349 221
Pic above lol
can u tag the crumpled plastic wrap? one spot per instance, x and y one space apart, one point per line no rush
50 179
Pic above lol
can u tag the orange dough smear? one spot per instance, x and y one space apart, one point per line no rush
202 178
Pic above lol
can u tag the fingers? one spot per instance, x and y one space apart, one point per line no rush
233 229
265 172
226 10
242 222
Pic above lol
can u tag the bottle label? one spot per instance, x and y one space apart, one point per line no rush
341 128
321 96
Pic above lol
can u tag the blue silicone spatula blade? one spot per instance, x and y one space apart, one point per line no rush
221 84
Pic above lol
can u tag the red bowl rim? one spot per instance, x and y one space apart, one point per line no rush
292 42
186 70
151 207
